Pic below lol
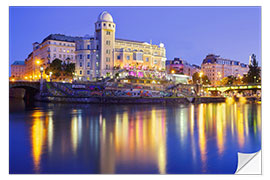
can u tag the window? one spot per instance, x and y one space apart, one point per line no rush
80 72
108 33
88 46
80 56
155 61
88 72
104 24
88 56
108 42
60 44
60 56
109 25
107 66
107 59
108 51
71 56
54 50
97 47
64 56
88 64
118 57
128 57
80 64
54 55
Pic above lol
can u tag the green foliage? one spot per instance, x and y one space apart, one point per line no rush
58 69
196 79
230 80
254 71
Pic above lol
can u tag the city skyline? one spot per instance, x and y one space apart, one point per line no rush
236 36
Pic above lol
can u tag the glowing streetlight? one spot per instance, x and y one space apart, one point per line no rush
201 74
50 76
37 62
173 71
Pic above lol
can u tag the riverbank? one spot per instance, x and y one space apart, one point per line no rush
132 100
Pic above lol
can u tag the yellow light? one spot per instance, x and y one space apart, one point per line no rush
25 77
37 61
13 80
173 71
201 73
30 76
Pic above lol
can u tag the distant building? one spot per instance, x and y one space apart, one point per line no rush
103 54
175 66
18 69
179 66
216 68
52 47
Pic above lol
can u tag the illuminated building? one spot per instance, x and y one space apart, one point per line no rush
216 68
53 46
103 54
179 66
18 69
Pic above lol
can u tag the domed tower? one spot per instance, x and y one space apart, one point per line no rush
105 38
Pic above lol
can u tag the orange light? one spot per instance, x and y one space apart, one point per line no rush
37 61
12 80
173 71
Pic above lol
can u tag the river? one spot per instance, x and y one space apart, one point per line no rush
165 139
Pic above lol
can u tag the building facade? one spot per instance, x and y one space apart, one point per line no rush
179 66
54 46
216 68
18 70
102 55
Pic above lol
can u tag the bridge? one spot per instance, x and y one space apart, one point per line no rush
233 87
31 88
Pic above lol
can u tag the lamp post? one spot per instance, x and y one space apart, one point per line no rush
41 78
50 76
37 62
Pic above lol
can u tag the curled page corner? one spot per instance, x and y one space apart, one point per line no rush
249 163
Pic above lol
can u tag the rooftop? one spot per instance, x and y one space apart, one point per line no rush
18 63
62 37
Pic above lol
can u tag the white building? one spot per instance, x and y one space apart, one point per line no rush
102 54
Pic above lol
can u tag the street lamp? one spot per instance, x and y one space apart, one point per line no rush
200 75
41 79
50 76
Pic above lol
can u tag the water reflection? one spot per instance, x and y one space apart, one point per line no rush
141 139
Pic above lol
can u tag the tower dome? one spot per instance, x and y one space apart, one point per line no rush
105 16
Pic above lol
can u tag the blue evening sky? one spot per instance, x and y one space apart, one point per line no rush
187 32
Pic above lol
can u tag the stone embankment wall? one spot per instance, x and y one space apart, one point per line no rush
114 100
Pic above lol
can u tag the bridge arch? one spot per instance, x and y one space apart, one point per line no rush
31 88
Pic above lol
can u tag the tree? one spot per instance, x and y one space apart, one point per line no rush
230 80
59 69
55 67
254 71
69 69
198 80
